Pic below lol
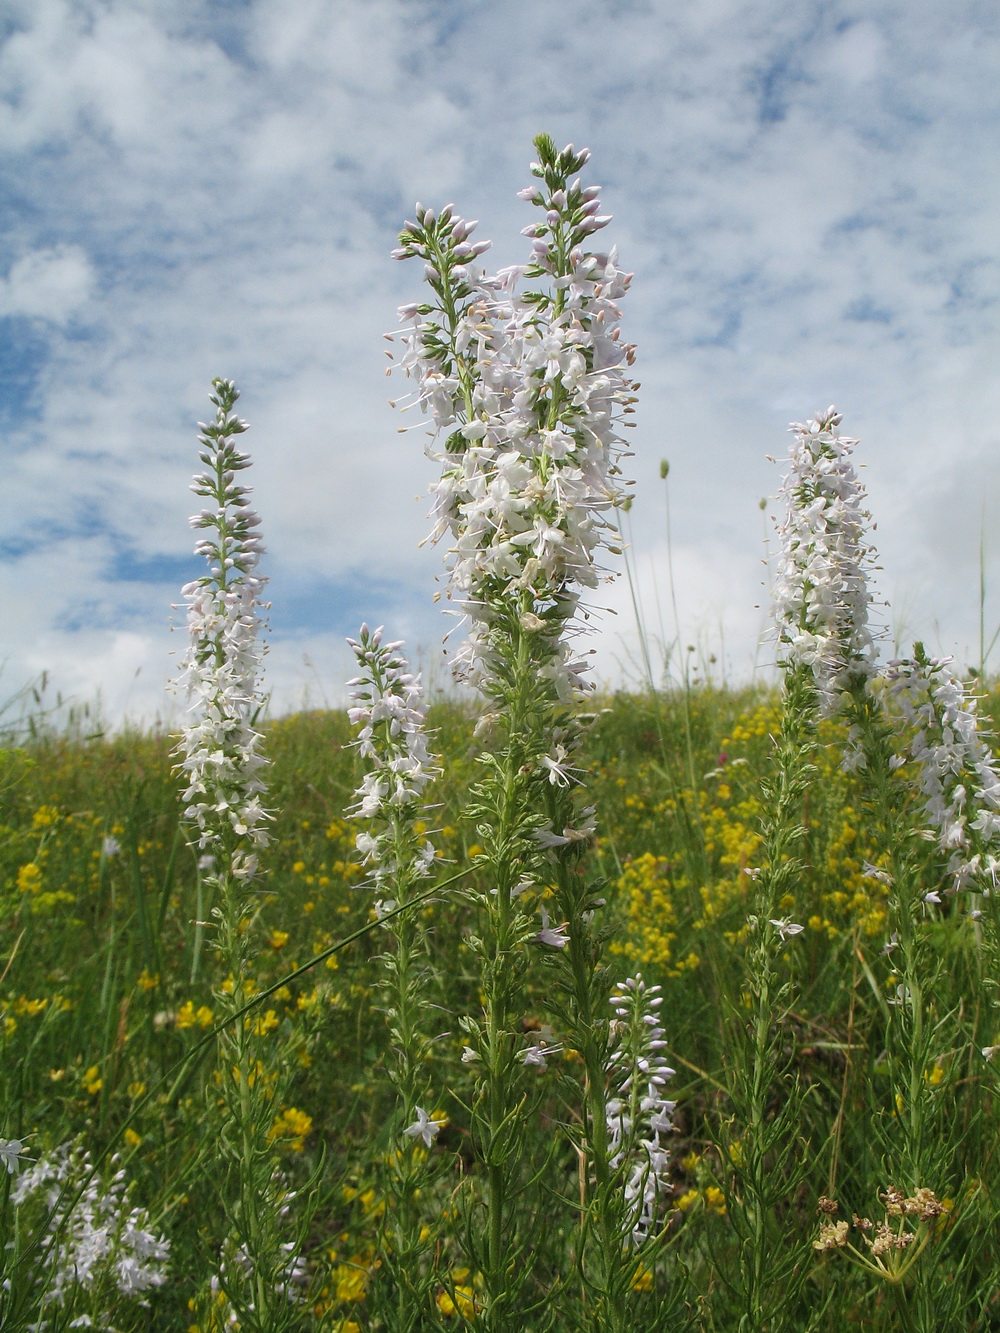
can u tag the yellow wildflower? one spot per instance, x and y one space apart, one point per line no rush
29 878
352 1280
642 1279
263 1024
716 1200
92 1080
132 1138
688 1200
188 1016
461 1300
291 1127
146 982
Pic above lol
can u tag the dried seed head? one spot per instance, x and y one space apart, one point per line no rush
894 1200
924 1204
832 1235
828 1206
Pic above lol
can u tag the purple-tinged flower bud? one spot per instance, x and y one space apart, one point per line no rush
589 225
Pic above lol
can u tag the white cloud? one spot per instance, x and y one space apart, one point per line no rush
50 284
806 194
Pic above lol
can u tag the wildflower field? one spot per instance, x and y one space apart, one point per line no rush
111 984
529 1009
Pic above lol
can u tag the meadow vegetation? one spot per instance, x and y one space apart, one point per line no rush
533 1008
108 983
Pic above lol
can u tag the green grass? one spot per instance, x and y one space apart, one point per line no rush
105 968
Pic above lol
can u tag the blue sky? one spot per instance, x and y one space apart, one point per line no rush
806 192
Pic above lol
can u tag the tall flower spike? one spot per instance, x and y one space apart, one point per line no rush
220 746
637 1112
385 706
527 389
958 775
97 1239
821 596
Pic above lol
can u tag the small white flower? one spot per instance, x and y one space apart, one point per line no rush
537 1054
989 1052
784 927
554 936
424 1127
546 838
469 1056
110 847
10 1151
557 770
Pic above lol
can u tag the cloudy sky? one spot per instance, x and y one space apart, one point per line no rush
806 191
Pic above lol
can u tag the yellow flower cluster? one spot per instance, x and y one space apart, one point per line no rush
460 1296
290 1128
188 1016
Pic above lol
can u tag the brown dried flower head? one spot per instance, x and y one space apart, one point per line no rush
885 1240
924 1204
894 1200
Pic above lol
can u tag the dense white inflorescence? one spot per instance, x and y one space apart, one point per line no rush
220 746
637 1112
97 1235
821 597
958 775
524 387
386 707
